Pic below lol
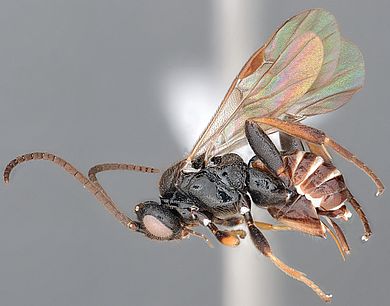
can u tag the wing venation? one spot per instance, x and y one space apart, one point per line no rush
305 69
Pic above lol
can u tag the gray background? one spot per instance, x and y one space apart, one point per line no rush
83 79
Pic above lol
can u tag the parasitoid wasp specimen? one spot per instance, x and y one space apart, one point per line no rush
305 69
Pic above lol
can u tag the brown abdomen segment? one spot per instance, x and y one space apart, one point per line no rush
319 181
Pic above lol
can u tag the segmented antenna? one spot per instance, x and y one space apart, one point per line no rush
116 166
90 184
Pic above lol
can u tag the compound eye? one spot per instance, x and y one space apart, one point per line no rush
155 227
159 222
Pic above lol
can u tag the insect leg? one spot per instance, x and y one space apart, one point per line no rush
291 145
116 166
356 206
100 195
338 237
272 227
264 148
230 222
228 238
320 150
263 246
342 244
199 235
318 137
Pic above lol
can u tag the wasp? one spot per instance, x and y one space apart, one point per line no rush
305 69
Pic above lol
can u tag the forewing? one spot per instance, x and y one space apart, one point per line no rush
318 21
347 80
300 58
287 80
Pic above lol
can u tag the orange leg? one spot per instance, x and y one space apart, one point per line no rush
263 246
318 137
272 227
320 150
339 237
229 238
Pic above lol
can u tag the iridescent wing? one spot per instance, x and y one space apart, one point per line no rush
347 79
305 69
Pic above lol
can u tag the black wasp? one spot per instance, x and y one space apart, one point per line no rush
305 69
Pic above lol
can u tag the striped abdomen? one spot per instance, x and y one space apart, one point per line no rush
319 181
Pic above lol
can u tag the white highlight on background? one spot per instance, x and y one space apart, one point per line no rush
193 95
189 103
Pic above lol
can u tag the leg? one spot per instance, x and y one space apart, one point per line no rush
228 238
318 137
338 237
356 206
264 148
320 150
94 189
341 237
199 235
339 195
341 244
291 145
116 166
262 245
300 216
230 222
272 227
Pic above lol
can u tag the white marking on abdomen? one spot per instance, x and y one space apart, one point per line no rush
333 174
298 159
315 201
317 162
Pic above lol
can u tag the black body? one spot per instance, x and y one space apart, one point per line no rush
296 187
219 189
221 192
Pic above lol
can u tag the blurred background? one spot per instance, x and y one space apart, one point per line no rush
137 81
